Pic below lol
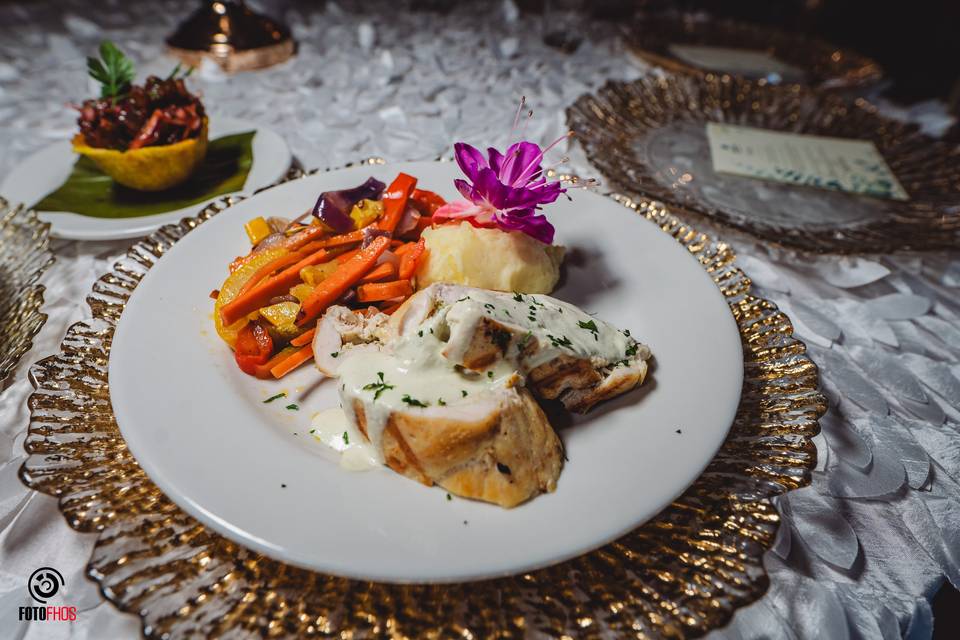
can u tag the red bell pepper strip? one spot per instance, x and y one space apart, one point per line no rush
426 202
253 348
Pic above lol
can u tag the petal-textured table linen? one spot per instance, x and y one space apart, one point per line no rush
861 551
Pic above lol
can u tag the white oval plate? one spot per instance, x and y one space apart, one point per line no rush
47 169
199 427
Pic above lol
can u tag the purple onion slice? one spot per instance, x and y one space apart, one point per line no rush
333 207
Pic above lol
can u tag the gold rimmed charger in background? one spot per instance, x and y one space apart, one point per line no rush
681 574
649 138
24 256
694 44
233 36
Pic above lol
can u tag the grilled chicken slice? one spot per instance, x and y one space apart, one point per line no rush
497 448
444 391
341 332
563 353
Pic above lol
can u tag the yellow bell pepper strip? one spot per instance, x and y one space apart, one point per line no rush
257 229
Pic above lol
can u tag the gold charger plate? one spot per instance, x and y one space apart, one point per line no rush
24 256
681 574
823 65
648 138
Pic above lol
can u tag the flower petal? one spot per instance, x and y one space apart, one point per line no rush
456 209
466 190
469 159
521 161
489 187
495 159
528 222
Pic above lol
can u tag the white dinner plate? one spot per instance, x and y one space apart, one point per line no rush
251 471
47 169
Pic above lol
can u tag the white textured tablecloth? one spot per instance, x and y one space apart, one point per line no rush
861 551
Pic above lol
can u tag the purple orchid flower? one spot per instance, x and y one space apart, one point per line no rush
504 190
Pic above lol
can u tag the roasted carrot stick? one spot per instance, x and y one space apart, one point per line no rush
395 201
408 262
263 370
280 263
277 285
293 361
340 280
384 290
304 338
316 233
385 271
345 238
343 257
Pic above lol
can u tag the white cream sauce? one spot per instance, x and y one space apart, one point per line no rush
559 327
419 371
332 428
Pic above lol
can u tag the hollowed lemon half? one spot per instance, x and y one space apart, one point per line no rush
149 168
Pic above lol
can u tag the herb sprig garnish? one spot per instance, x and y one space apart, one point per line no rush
378 387
282 394
590 326
413 402
179 72
562 341
113 70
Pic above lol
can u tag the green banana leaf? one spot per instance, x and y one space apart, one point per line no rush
90 192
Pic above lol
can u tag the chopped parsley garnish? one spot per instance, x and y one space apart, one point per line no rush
282 394
626 332
420 333
346 438
490 374
590 326
378 387
517 297
449 497
313 430
464 392
463 298
489 306
562 341
632 350
413 402
334 354
293 407
525 339
441 402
